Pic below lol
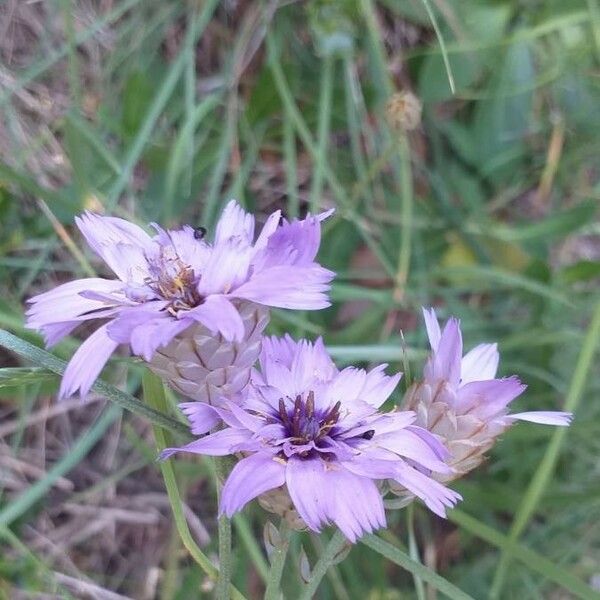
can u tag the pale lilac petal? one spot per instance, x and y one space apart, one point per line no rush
269 228
354 504
308 487
303 237
300 287
444 363
202 416
145 328
374 468
436 496
219 315
226 267
408 444
440 450
480 363
247 420
54 332
119 243
86 364
65 302
346 385
221 443
280 349
378 386
433 328
544 417
234 222
310 364
486 399
155 333
380 423
251 477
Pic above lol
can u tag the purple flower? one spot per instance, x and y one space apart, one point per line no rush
317 431
175 279
469 380
461 401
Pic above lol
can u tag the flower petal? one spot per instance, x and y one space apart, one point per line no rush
487 399
65 303
480 363
544 417
298 287
355 504
378 386
294 243
219 315
234 222
408 444
251 477
221 443
86 364
307 485
121 244
433 328
269 228
436 496
145 328
202 416
444 363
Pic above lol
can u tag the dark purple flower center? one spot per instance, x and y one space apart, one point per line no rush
303 424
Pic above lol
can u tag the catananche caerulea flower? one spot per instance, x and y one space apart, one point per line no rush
319 432
461 401
174 280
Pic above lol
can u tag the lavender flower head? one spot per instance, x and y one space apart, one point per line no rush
317 431
175 280
461 401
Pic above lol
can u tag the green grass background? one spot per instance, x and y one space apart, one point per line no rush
155 110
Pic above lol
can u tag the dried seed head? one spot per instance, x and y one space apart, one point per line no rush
403 111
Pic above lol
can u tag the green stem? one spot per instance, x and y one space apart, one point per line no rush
254 551
333 548
407 199
224 527
278 562
154 394
322 133
414 550
545 470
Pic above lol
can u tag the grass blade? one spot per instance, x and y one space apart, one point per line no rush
56 365
544 472
417 569
528 557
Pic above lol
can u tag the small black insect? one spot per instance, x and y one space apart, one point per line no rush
367 435
199 233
